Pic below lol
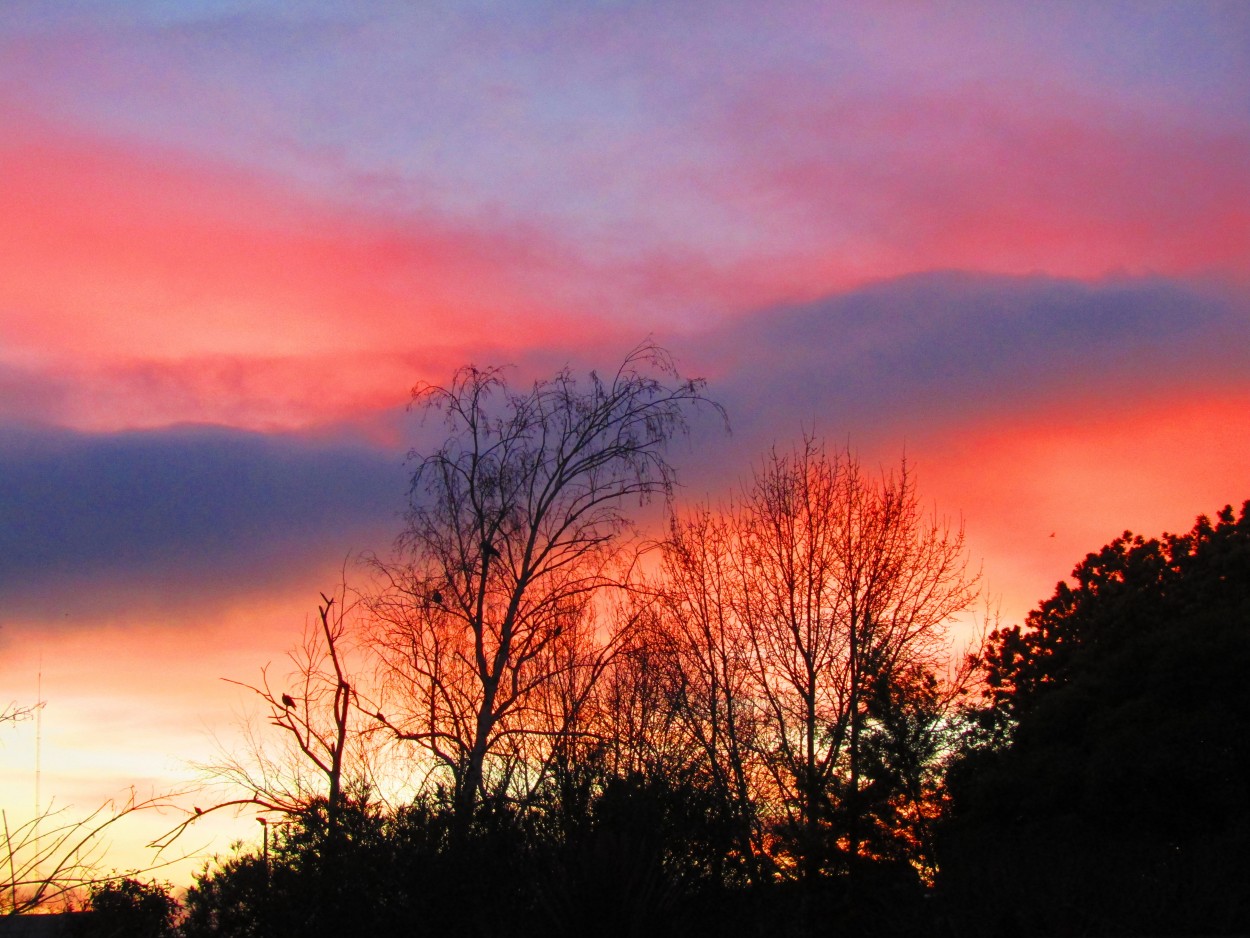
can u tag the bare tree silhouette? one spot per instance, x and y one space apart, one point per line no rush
321 752
517 525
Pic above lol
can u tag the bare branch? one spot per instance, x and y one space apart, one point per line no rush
48 859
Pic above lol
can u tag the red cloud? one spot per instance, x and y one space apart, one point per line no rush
108 252
182 290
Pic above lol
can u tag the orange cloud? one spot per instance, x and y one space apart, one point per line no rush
1084 473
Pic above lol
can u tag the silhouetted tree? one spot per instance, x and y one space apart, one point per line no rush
848 587
710 677
517 523
51 858
1131 584
130 908
14 712
1113 800
320 750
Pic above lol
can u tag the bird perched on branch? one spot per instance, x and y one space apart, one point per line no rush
288 701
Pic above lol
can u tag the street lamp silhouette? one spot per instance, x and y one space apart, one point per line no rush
264 824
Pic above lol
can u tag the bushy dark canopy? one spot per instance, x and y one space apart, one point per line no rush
1112 800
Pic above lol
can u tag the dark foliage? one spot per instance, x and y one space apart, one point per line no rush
310 883
1113 802
641 861
645 848
1132 586
129 908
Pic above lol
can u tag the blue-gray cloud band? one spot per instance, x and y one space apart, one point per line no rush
94 524
930 348
91 525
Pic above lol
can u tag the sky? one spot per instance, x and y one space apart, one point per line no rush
1010 241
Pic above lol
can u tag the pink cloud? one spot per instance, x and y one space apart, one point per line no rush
875 187
111 253
179 289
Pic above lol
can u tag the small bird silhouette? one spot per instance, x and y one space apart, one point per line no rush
288 701
198 810
436 598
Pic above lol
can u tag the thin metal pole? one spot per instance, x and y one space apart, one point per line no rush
264 824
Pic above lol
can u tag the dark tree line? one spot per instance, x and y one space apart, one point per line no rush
1104 790
759 727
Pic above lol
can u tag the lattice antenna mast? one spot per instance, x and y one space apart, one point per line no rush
39 705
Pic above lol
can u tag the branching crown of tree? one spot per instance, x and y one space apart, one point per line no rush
515 524
807 620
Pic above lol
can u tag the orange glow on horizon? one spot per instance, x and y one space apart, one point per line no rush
1039 491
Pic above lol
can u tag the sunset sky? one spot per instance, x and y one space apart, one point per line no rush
1010 240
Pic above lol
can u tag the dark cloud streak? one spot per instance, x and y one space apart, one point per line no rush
96 523
921 350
